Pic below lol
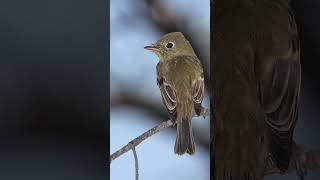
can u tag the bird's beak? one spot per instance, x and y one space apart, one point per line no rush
152 48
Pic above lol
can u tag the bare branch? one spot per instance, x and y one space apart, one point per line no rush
136 162
141 138
154 130
132 144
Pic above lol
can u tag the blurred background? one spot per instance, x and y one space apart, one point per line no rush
53 89
136 104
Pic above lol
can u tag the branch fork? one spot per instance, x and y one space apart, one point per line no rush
135 142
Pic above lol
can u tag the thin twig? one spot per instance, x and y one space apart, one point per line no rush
136 165
141 138
132 144
204 112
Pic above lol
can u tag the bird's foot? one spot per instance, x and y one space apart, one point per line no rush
205 112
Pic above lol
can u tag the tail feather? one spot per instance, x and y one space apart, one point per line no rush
184 140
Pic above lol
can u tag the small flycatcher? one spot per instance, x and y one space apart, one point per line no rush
181 83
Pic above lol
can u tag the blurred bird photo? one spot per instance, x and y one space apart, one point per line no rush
159 72
256 90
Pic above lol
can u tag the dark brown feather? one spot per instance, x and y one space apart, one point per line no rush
198 94
169 98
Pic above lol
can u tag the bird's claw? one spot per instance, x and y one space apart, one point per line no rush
205 112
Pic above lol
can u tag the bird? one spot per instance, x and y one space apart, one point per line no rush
181 82
256 79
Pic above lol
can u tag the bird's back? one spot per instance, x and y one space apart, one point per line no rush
180 71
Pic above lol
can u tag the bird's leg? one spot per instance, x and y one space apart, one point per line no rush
173 121
205 112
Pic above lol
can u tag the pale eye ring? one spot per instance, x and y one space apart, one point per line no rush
169 45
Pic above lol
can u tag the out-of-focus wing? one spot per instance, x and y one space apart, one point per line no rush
279 96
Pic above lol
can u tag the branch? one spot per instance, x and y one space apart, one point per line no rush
204 112
141 138
136 162
132 144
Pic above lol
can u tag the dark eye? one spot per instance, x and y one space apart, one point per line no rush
169 45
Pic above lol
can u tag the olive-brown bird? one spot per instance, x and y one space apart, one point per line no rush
256 86
180 79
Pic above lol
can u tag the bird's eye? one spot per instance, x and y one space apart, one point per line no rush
169 45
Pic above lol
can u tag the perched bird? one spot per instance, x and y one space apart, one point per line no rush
256 86
181 83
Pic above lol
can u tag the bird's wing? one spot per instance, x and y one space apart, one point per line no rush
279 96
191 71
168 95
198 93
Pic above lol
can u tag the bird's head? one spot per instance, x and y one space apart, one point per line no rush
171 45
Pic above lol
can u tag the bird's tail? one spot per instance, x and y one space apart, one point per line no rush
184 140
